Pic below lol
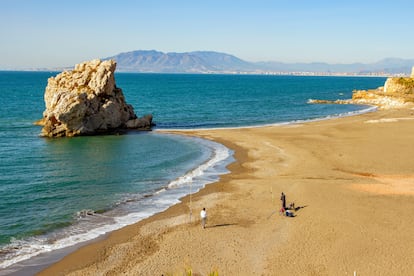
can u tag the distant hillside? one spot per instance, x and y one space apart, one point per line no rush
388 66
192 62
214 62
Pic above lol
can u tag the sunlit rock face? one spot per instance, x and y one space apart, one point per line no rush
86 101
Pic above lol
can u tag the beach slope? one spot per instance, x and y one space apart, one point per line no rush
352 182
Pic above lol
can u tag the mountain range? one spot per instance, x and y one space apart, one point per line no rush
214 62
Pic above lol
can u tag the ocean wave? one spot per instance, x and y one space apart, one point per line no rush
219 154
90 225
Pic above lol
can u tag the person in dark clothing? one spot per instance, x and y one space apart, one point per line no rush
283 199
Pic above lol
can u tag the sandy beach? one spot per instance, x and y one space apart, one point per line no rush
352 182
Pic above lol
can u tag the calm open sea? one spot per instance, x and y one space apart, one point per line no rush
60 192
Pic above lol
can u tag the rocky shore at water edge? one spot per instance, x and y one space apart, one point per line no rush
396 93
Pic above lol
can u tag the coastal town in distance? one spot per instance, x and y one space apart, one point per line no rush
210 62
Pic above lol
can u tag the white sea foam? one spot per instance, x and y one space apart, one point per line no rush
91 225
219 154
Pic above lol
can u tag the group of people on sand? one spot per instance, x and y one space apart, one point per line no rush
285 210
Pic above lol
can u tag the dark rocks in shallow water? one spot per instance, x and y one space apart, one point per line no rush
144 123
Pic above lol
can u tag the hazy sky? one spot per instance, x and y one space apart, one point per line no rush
45 33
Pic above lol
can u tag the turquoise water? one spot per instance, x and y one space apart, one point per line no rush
58 192
209 101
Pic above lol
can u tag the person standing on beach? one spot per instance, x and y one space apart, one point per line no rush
203 215
283 199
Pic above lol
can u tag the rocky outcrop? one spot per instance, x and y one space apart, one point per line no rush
399 86
378 98
365 98
396 93
313 101
86 101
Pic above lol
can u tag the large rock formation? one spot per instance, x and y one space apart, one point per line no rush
396 93
86 101
399 85
378 98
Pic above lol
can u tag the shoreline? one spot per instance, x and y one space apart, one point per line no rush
216 158
177 183
167 243
369 108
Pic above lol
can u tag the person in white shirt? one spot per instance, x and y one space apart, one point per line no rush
203 215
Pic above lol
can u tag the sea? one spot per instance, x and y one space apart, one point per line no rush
59 193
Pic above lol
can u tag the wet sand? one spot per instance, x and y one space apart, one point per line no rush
352 182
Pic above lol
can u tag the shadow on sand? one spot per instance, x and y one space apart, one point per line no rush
300 207
289 211
221 225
